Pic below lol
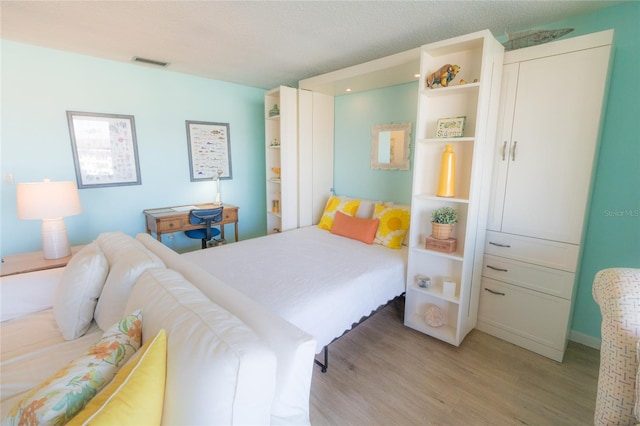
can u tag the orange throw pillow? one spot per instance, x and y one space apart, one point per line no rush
354 227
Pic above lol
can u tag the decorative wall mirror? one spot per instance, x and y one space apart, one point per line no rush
390 146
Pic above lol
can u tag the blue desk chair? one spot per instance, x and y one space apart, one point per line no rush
208 218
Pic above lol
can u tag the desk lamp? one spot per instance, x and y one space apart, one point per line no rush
50 201
217 201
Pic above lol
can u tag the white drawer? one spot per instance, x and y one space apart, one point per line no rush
525 314
539 278
533 250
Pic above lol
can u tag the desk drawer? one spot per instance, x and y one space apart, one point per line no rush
533 250
527 275
173 224
229 215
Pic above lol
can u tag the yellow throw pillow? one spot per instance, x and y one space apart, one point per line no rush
60 397
136 395
394 224
348 206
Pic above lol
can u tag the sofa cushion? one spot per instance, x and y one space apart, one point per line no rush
218 370
135 396
76 296
61 396
128 259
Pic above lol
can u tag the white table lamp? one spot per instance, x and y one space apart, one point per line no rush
50 202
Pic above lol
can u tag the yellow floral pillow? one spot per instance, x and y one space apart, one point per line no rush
60 397
136 395
394 224
348 206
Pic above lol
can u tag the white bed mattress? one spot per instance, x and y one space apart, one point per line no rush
320 282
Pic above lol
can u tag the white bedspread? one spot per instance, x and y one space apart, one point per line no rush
320 282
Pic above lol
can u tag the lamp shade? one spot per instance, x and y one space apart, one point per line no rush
51 202
47 200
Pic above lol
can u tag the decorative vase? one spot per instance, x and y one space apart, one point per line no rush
446 181
441 231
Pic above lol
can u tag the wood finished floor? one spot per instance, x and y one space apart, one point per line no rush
383 373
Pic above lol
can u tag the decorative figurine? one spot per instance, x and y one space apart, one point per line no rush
443 76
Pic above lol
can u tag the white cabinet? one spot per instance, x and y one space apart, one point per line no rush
549 120
479 57
281 156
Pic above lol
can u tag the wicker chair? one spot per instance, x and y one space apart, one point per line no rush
617 291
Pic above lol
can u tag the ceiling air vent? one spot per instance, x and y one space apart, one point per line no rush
149 62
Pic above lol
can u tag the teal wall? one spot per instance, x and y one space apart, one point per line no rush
39 85
355 115
613 221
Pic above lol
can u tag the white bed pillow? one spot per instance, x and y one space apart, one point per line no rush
76 296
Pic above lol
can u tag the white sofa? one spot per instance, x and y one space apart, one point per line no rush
617 292
229 360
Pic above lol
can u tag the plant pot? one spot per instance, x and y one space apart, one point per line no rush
441 231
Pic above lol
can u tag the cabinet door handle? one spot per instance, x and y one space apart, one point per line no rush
513 151
497 293
504 150
499 245
497 269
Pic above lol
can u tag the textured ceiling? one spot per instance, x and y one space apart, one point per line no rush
265 43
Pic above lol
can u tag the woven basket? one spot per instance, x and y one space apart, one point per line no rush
441 231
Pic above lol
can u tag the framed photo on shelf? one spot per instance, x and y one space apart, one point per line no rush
452 127
209 150
105 150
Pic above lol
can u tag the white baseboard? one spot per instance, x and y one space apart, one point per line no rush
585 339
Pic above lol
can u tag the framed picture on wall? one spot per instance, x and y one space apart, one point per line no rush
105 150
209 150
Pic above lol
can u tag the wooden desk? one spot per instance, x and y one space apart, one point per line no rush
29 262
176 219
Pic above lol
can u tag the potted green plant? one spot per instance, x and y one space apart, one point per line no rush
442 221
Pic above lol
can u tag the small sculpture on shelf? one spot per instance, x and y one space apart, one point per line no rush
276 170
443 76
274 112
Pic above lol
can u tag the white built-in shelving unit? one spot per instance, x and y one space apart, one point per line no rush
479 57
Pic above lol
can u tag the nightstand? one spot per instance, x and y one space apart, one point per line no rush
29 262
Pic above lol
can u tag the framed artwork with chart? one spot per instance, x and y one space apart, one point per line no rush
209 150
105 150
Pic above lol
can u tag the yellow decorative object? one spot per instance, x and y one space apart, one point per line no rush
393 227
136 395
443 76
446 181
276 170
346 205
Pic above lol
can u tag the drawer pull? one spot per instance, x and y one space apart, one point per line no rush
513 151
497 269
498 293
171 225
499 245
504 149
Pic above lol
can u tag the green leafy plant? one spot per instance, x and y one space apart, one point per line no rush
445 215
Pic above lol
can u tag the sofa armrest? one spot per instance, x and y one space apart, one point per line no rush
617 291
24 294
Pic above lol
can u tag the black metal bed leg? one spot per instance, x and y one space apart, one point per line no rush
325 365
